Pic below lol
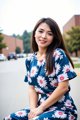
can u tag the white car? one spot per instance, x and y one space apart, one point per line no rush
2 57
21 55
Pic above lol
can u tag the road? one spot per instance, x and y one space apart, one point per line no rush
13 89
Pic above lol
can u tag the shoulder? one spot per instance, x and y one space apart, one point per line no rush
29 58
58 52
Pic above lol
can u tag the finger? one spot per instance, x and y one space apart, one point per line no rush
31 115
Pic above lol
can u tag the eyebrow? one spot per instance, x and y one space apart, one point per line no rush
43 29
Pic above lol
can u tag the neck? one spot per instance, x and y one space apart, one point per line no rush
41 54
42 51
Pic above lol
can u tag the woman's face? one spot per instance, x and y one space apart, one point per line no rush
43 36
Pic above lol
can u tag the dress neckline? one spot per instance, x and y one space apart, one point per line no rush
35 54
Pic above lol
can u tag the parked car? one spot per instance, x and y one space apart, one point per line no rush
12 56
21 55
2 57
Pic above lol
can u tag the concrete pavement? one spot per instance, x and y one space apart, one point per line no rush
13 89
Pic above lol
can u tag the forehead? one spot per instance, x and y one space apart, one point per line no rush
44 26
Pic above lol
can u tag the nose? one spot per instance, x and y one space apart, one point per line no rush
44 35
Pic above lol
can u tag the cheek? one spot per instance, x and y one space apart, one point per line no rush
36 40
50 41
36 37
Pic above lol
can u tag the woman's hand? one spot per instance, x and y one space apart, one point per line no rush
35 112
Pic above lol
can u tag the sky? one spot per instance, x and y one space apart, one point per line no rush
19 15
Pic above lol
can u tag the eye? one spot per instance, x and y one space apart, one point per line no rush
40 31
50 33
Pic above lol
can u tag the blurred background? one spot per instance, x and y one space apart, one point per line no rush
17 20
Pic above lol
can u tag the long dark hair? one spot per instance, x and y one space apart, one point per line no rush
58 42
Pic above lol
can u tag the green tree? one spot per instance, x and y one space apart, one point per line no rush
26 41
16 36
2 45
18 50
72 39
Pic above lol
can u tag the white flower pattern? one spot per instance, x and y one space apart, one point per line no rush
60 114
41 81
66 68
68 104
71 117
58 67
46 119
46 84
38 90
62 99
54 83
33 71
57 55
62 77
20 113
8 117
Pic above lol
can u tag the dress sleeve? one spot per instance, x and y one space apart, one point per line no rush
28 67
27 63
63 67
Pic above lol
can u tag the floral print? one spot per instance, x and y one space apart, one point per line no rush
41 81
20 113
33 71
44 84
8 117
60 114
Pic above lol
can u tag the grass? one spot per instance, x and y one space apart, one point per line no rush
77 65
76 62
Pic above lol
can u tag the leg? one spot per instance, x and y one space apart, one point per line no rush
51 115
56 115
19 115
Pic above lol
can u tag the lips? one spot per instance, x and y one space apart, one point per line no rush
42 41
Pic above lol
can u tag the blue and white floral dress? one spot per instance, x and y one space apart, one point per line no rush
44 84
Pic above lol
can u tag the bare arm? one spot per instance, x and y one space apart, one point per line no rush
33 97
53 98
56 95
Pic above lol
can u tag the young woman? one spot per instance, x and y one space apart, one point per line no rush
49 69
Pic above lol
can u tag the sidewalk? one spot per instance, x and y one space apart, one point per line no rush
76 60
77 70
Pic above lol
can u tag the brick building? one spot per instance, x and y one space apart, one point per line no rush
11 43
73 22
